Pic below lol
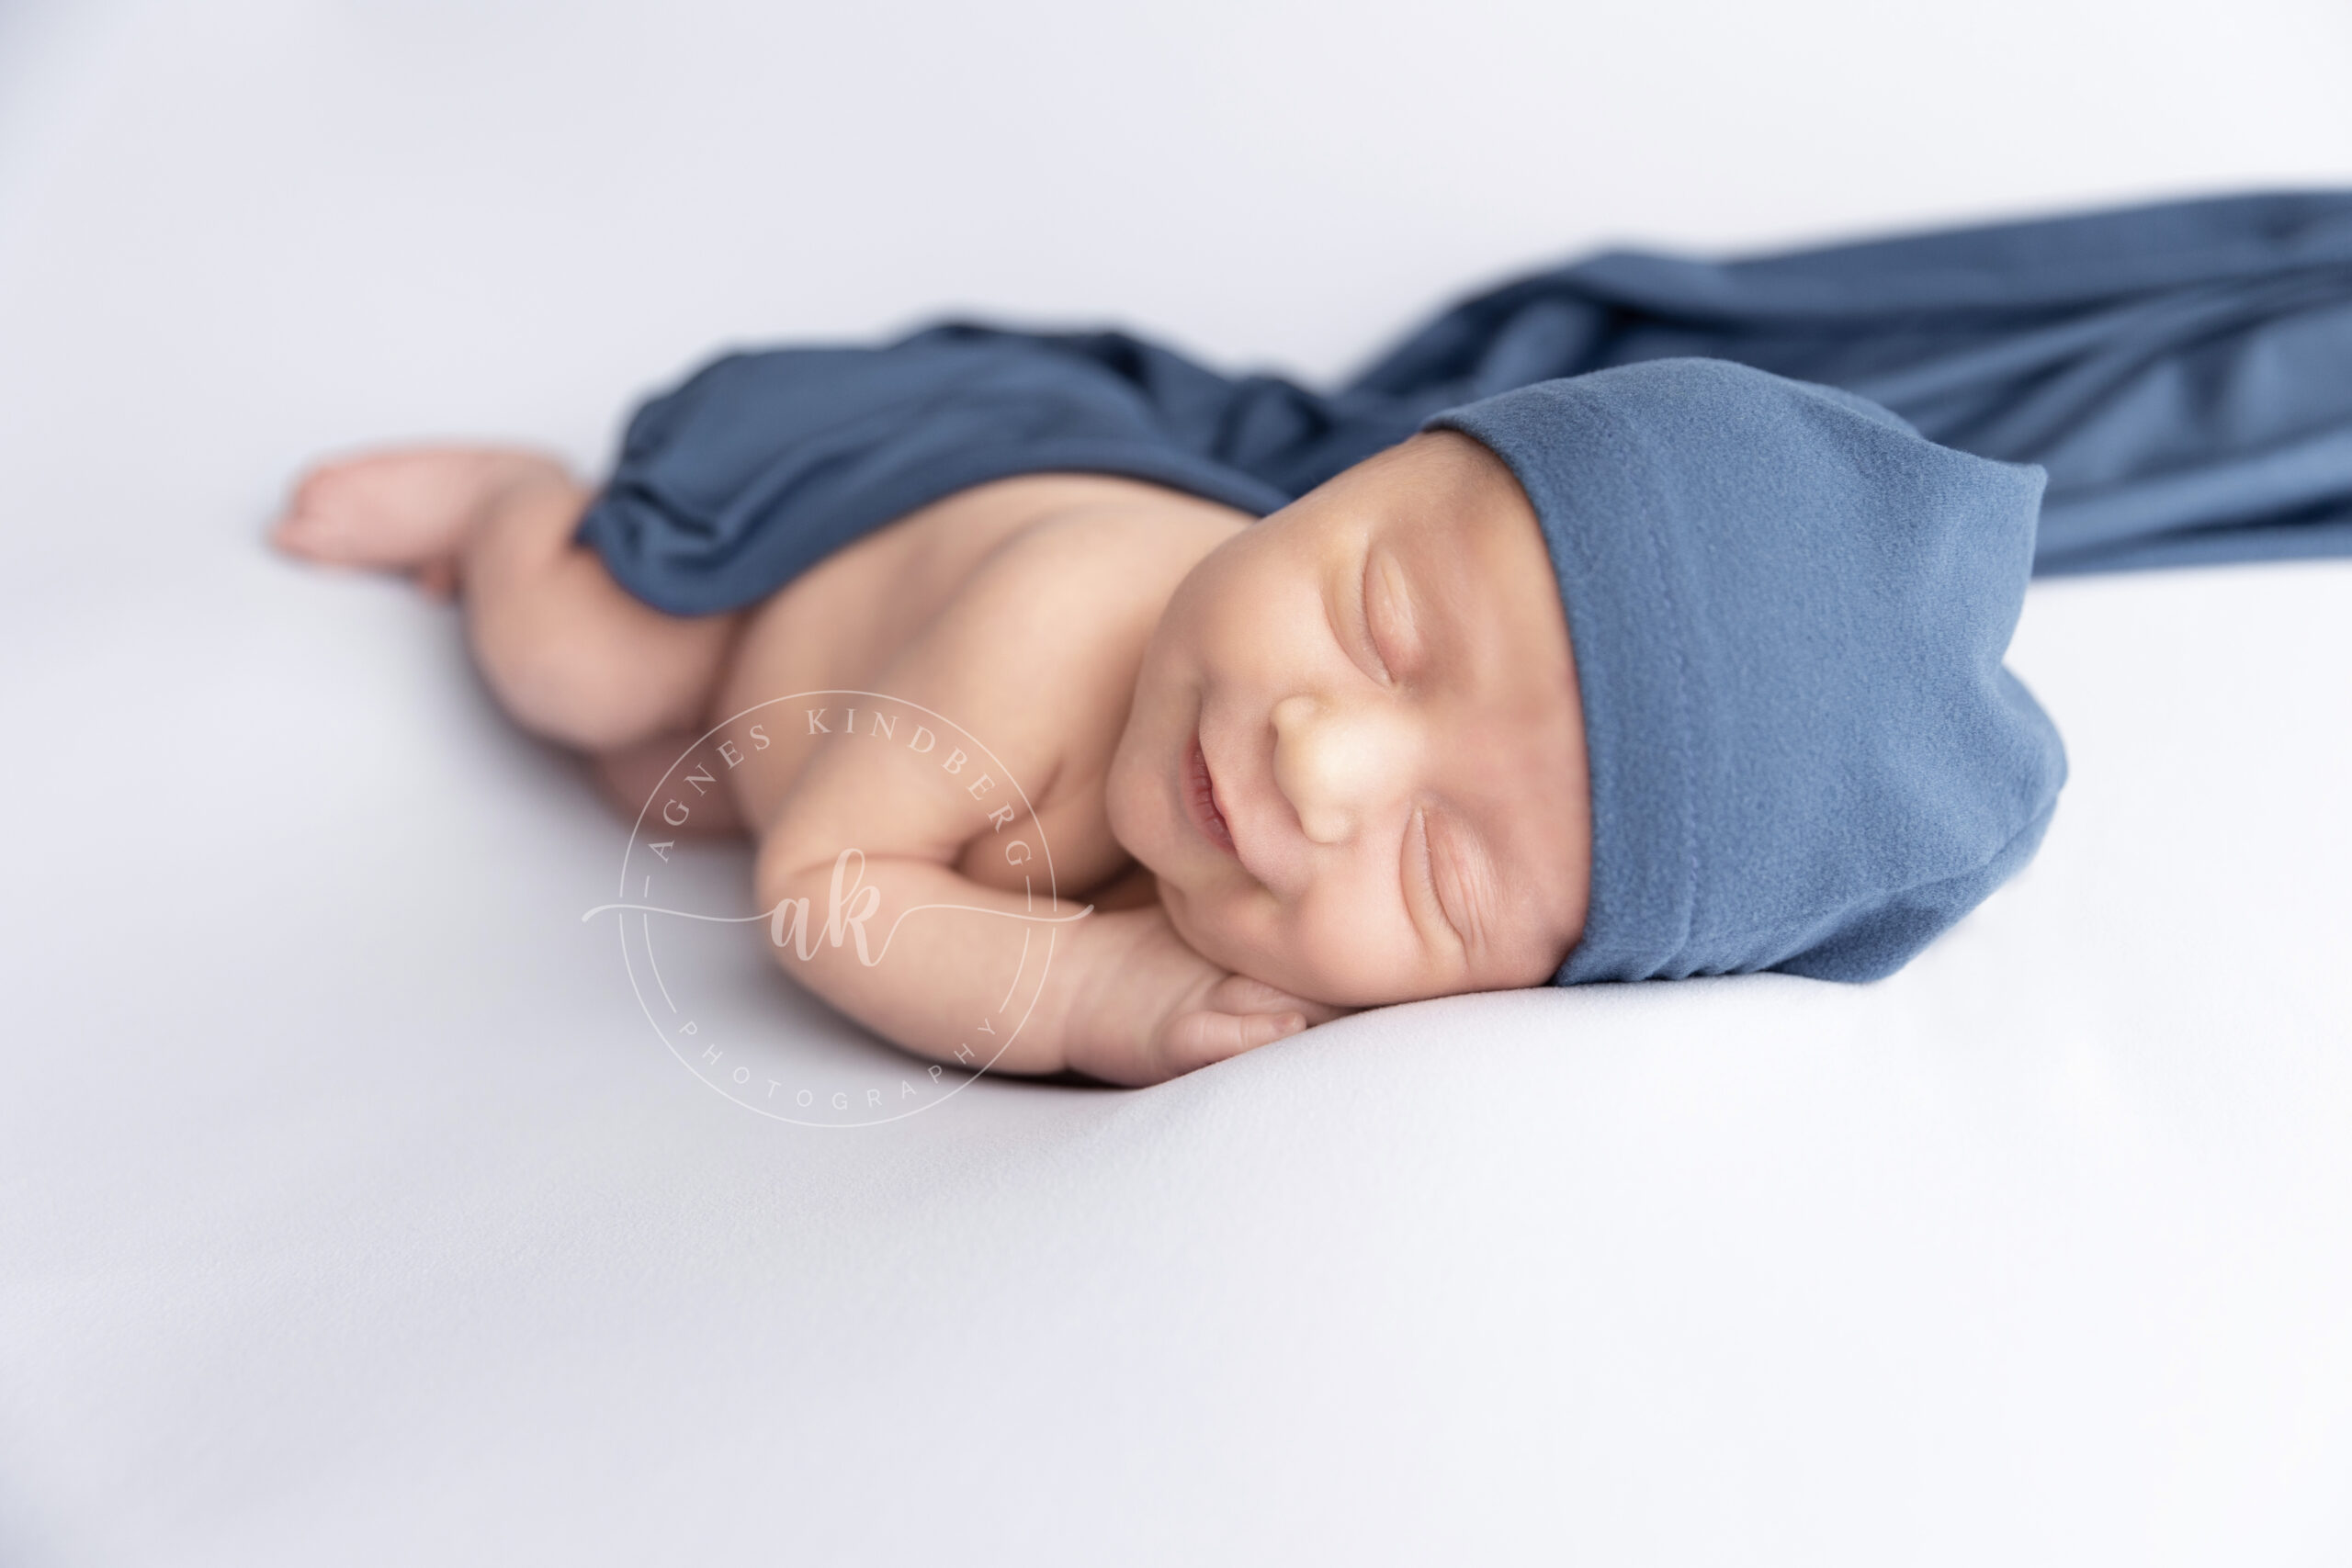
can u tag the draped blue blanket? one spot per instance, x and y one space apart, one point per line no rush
2183 371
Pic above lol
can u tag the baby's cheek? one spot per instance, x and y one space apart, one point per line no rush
1350 949
1329 947
1248 933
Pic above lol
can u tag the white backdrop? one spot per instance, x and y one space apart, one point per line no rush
349 1212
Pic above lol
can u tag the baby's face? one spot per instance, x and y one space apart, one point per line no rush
1356 759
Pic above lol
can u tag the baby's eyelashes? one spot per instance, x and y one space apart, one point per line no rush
1392 628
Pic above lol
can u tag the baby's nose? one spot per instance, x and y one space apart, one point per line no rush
1335 762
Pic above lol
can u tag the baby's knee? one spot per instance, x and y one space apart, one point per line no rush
565 688
573 658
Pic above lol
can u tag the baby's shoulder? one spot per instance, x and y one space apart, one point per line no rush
1041 642
1083 578
1028 642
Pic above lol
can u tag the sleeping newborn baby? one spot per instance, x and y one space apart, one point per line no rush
1672 668
1570 640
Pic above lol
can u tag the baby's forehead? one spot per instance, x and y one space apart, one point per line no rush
1440 462
1421 495
1469 548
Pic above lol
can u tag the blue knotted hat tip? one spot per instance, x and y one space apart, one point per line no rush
1789 612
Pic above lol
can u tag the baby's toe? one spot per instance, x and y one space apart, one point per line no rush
301 530
313 523
316 494
368 512
403 510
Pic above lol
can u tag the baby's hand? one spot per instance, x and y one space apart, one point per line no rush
1146 1007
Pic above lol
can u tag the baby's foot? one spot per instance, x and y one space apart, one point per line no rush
408 510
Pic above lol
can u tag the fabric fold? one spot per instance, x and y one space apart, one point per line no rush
2183 372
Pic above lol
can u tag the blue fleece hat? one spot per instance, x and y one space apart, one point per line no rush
1788 609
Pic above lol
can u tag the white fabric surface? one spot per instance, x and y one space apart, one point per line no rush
350 1214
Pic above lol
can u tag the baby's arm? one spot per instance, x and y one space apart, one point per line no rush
1036 657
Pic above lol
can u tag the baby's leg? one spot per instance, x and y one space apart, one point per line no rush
630 776
570 655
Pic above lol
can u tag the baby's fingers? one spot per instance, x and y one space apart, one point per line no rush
1239 993
1195 1039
